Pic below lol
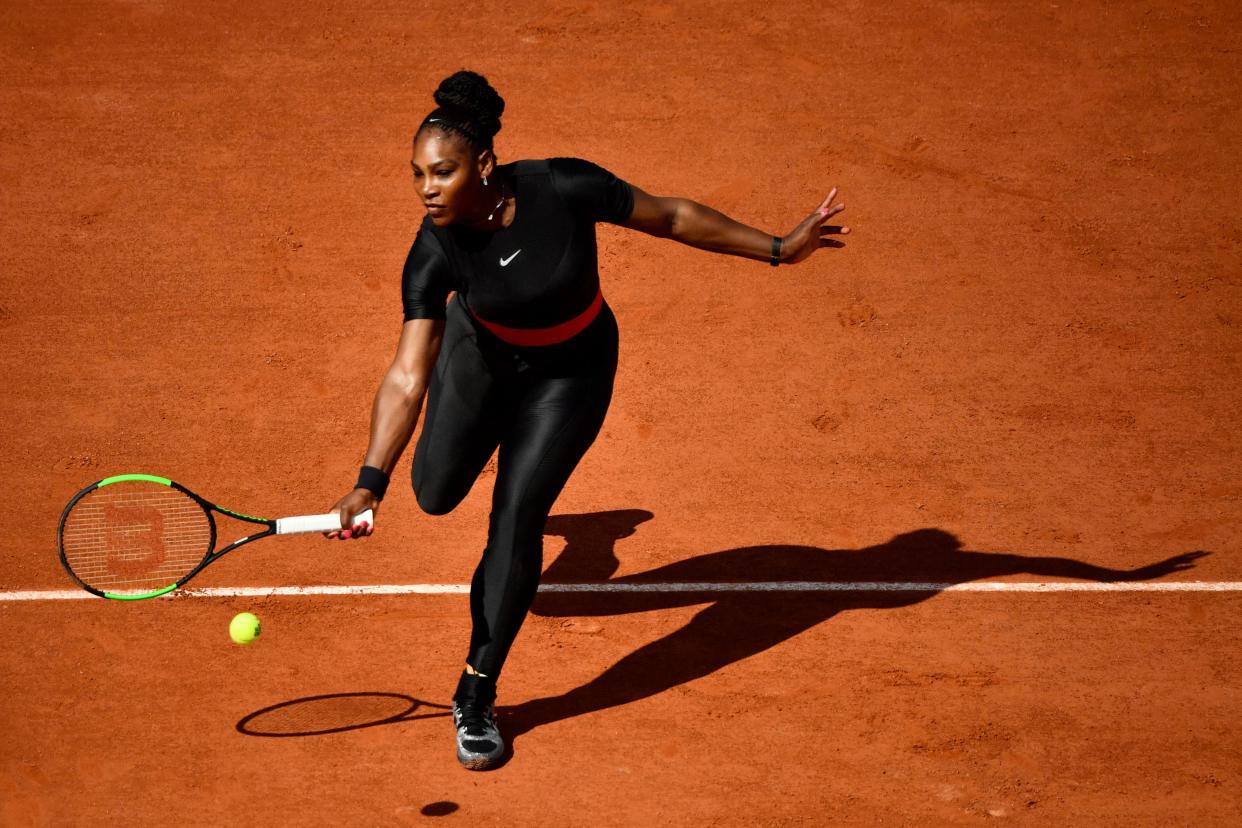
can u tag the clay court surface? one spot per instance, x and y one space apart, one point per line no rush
1022 368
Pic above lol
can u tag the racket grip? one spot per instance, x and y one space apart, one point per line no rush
318 523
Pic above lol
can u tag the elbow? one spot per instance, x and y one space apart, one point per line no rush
676 219
407 385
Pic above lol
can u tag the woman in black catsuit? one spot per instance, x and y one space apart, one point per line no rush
521 358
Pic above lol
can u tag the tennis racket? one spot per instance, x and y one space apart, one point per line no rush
137 536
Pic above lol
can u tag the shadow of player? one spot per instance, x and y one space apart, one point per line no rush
737 625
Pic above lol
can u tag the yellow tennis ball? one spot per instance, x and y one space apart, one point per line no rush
244 628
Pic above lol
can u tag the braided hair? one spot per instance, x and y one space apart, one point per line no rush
468 106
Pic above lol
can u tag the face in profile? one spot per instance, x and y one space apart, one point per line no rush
446 176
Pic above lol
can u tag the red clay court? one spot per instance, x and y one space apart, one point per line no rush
1022 370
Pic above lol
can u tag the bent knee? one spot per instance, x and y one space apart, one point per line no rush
435 502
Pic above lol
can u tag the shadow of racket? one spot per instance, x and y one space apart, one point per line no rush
335 713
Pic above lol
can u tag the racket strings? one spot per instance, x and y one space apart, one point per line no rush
135 536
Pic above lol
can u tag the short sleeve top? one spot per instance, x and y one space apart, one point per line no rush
539 271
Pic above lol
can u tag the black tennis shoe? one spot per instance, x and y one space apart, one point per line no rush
479 745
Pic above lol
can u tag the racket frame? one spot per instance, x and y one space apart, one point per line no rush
211 556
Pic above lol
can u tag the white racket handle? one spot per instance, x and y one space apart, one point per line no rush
318 523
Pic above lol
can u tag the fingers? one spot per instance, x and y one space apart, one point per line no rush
832 230
822 213
827 204
826 208
826 213
357 530
351 526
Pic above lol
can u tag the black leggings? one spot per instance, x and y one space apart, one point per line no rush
543 407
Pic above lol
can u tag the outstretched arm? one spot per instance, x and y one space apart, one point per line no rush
394 412
700 226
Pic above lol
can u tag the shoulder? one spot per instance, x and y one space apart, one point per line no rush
567 167
576 176
527 167
427 277
562 170
428 247
430 234
591 188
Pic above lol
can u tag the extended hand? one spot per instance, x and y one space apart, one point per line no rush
812 233
351 505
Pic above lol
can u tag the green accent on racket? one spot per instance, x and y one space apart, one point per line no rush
231 513
130 597
121 478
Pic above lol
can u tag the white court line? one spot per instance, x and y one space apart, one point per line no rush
704 587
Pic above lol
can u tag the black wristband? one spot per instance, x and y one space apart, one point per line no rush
776 251
373 480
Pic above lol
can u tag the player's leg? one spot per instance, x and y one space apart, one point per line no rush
554 421
462 421
532 472
553 425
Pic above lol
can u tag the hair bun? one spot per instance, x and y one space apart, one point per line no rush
471 93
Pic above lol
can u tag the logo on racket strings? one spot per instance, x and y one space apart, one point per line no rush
134 539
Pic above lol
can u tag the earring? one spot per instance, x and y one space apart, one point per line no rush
485 181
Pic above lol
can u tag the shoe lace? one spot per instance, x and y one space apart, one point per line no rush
476 716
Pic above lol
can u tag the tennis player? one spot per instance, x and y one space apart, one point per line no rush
521 358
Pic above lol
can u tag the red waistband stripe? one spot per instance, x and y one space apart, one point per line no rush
554 335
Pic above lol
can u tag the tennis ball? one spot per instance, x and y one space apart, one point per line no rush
244 628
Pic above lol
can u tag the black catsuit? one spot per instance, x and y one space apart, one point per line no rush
541 404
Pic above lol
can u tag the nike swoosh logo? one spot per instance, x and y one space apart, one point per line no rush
505 262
